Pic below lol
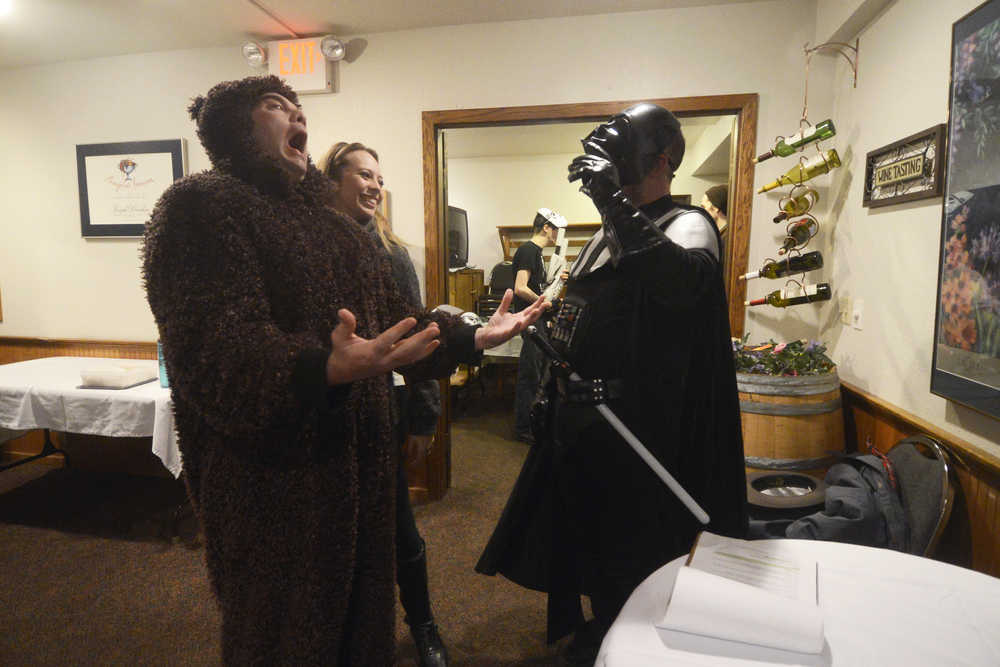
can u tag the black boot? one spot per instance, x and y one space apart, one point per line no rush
582 649
430 648
411 574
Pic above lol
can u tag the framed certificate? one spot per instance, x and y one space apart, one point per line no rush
120 183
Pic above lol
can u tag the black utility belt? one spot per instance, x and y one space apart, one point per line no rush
589 392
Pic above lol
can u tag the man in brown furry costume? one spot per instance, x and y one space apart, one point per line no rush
279 321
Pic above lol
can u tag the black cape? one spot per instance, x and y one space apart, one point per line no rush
658 321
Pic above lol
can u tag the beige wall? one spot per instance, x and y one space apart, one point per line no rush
508 191
888 257
55 284
495 191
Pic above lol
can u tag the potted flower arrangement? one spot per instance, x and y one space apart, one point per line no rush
798 357
790 404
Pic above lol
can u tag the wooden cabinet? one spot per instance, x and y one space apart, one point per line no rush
464 287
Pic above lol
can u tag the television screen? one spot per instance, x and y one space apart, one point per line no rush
458 238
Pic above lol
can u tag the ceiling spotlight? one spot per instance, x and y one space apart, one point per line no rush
255 54
332 48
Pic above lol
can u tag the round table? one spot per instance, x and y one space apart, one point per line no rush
879 607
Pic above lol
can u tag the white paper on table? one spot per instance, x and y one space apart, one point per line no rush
747 591
713 606
759 563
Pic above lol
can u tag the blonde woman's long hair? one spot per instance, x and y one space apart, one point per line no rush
333 164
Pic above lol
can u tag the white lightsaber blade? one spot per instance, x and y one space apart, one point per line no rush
629 437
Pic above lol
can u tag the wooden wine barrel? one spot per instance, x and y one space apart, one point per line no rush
791 423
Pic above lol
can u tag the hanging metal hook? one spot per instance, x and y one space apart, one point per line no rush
838 47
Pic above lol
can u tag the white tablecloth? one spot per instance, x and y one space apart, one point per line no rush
880 607
45 393
510 349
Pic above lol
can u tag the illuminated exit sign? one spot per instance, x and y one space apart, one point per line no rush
300 63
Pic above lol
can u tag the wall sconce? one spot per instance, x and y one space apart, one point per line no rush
332 48
255 54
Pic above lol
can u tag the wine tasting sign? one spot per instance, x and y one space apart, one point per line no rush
906 170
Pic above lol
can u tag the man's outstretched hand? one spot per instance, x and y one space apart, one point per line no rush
355 358
503 325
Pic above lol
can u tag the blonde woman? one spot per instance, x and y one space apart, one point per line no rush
358 186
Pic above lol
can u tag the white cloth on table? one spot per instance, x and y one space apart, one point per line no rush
510 348
880 607
45 394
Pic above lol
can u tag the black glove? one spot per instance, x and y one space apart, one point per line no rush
627 230
599 178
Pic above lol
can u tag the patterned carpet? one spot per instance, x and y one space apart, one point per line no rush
102 568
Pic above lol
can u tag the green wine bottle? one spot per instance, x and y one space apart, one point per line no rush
800 173
782 299
798 264
797 205
788 145
799 233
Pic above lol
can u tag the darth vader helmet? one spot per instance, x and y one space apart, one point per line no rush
633 138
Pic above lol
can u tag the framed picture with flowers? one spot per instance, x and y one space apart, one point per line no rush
966 363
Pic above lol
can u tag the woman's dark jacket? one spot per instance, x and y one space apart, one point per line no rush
421 400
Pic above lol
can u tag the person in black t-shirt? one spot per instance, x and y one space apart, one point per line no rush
529 279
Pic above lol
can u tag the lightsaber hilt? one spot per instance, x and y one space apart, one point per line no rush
543 343
602 408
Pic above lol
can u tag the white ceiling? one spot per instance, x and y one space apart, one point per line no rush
35 32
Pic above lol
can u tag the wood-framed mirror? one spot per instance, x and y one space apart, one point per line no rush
430 479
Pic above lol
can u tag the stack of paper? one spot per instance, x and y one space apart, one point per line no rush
747 591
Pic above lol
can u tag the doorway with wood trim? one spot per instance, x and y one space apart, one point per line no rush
443 141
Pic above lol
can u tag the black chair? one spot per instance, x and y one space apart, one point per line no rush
501 279
923 474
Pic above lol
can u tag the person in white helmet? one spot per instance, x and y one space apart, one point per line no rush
529 279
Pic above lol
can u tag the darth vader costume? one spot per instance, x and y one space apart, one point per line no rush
293 480
645 324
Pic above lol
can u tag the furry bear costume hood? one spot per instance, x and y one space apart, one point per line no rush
225 127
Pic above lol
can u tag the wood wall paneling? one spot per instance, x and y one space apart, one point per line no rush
22 349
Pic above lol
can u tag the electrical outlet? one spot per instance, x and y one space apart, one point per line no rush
858 313
845 309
